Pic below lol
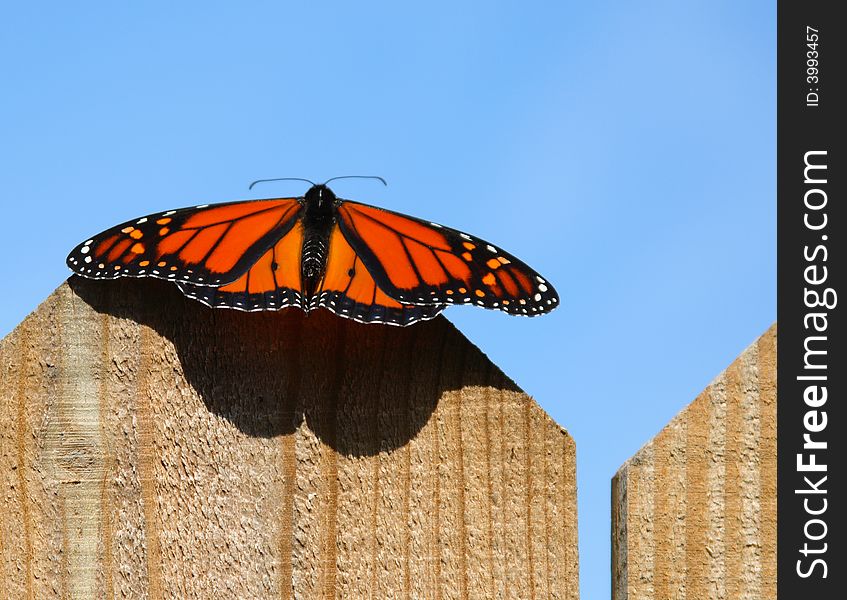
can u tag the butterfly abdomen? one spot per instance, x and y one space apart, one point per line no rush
313 259
318 221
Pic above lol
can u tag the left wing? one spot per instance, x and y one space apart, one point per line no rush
273 282
202 245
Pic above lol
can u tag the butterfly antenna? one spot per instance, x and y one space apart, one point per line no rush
280 179
378 178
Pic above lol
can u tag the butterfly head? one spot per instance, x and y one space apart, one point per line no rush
320 197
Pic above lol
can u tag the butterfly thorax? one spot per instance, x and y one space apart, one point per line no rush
318 220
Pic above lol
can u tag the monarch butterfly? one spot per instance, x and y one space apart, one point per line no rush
359 261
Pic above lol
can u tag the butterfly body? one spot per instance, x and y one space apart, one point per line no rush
319 217
359 261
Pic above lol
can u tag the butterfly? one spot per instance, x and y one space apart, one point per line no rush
361 262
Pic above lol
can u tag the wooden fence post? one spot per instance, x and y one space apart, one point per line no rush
694 511
152 447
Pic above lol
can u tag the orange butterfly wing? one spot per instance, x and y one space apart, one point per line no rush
418 262
203 245
348 289
271 283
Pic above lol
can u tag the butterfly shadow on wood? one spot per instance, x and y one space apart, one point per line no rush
362 389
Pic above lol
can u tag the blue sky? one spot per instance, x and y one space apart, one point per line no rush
625 150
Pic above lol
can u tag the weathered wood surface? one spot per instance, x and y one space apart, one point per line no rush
694 511
153 448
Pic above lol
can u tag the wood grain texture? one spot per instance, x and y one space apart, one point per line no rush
153 448
694 511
